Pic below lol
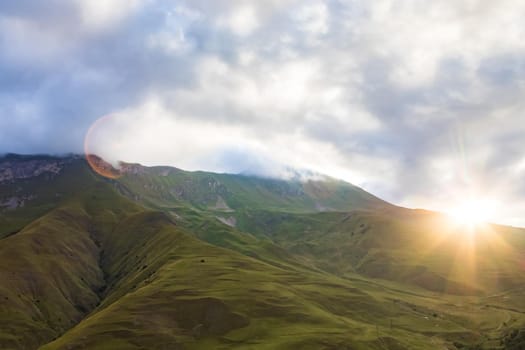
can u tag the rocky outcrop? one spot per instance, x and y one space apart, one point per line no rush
230 221
15 202
15 169
131 168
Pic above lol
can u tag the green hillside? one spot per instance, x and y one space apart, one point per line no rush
165 186
161 258
409 246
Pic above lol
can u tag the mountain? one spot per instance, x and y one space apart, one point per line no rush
161 258
168 186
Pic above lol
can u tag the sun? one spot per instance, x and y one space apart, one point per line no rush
474 211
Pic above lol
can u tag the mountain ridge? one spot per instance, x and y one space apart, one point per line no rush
163 258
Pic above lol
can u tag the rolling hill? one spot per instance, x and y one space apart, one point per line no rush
161 258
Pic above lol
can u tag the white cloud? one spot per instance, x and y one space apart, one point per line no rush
241 20
152 133
417 35
27 42
170 42
313 17
101 15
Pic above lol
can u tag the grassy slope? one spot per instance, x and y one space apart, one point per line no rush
374 239
169 290
164 186
402 245
51 277
138 276
413 248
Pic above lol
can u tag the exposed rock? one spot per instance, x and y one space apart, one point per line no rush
12 203
221 205
231 221
131 168
11 170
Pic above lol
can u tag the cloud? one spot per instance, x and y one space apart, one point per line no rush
313 17
242 21
417 102
99 15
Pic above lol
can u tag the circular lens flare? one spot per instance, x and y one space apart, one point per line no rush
92 142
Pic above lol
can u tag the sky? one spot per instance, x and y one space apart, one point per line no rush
420 102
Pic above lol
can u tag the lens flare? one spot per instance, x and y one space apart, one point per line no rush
93 141
474 211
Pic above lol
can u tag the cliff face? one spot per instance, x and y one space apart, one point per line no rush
14 168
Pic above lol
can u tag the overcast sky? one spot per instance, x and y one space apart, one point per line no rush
419 102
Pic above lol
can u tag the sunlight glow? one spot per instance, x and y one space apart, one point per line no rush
474 211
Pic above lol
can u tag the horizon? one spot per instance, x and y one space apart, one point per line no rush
420 105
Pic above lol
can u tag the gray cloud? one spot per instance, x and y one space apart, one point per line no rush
415 103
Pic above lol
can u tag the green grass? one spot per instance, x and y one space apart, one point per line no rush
162 186
412 247
143 263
